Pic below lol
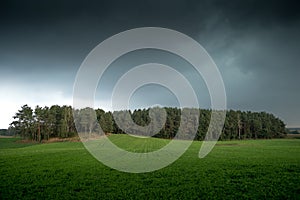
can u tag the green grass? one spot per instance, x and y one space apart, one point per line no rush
253 169
6 143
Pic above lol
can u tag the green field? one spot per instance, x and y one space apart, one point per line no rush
253 169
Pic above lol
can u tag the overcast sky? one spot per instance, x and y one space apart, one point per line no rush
255 45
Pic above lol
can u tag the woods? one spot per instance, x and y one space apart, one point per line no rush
42 123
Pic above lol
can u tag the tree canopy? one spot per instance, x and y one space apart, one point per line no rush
42 123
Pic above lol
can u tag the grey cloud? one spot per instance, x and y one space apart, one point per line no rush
254 43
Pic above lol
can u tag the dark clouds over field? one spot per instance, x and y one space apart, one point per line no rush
255 44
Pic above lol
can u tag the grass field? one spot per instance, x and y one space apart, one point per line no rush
253 169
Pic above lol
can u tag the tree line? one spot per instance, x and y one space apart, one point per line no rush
42 123
4 132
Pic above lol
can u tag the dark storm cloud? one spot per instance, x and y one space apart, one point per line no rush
65 31
140 12
59 34
254 43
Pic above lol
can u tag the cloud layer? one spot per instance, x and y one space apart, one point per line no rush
254 43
